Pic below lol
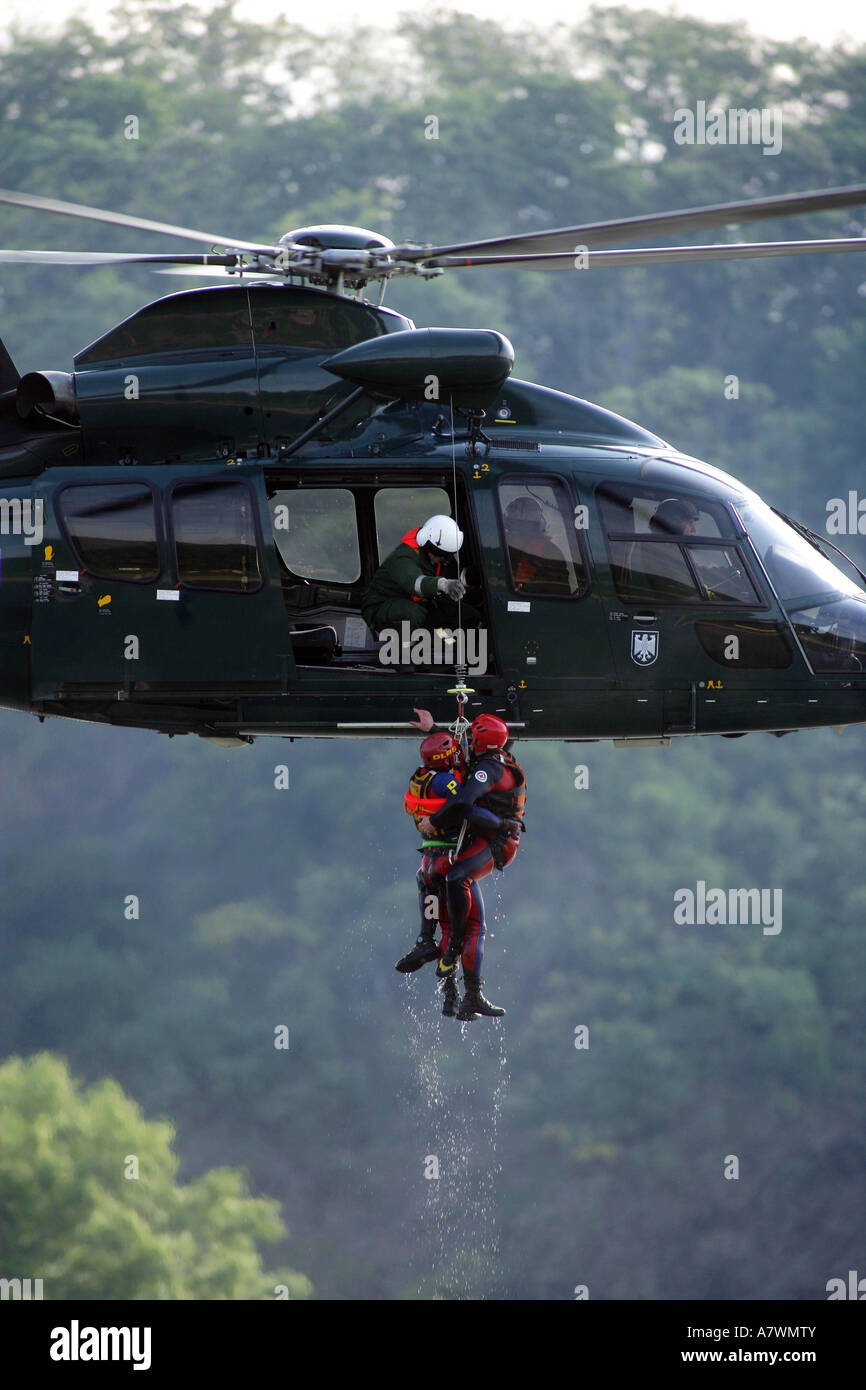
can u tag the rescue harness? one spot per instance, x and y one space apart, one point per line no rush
509 803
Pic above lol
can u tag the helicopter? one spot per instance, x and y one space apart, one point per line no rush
190 518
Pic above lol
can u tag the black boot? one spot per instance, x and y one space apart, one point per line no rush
474 1002
424 950
450 997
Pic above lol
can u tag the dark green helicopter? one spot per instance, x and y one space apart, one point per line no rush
190 518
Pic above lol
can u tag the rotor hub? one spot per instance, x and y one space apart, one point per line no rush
334 236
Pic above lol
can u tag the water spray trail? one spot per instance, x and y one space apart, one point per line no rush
462 1079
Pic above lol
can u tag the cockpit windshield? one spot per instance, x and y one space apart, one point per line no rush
799 573
827 609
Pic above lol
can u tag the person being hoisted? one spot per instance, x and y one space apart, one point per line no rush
494 784
417 583
430 787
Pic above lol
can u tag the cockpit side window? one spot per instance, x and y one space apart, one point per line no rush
721 574
654 572
661 547
630 510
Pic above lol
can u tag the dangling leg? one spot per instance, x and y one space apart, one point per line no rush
425 948
475 861
474 1002
451 1000
473 944
458 899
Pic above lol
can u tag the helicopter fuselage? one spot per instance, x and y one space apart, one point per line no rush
192 571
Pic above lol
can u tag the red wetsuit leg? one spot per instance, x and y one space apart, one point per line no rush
476 861
466 904
473 942
435 867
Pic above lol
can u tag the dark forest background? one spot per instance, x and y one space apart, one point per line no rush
559 1167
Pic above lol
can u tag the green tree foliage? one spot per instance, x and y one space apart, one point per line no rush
91 1204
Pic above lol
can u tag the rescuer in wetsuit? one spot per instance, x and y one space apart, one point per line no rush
411 584
494 783
430 787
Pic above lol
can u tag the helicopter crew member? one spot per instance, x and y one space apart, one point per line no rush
675 516
495 783
719 578
660 571
411 584
535 557
430 787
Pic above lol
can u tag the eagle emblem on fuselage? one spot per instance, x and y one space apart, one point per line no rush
644 647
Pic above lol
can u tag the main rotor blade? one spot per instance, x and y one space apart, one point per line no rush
111 258
733 251
217 274
120 219
658 224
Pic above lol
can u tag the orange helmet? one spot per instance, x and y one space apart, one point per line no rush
440 751
488 731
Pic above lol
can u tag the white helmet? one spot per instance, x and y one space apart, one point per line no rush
441 532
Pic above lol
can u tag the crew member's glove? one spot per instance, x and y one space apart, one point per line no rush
451 588
508 829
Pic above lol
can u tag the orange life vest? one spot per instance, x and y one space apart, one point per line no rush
525 571
411 539
416 803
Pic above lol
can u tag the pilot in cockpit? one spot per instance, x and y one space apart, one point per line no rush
675 517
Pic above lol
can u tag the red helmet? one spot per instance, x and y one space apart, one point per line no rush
440 751
488 731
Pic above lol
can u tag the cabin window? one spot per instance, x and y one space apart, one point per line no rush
316 532
402 509
214 530
111 528
541 541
